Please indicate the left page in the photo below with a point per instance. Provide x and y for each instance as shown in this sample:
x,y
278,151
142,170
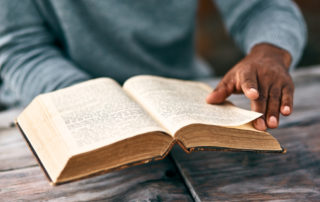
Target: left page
x,y
96,113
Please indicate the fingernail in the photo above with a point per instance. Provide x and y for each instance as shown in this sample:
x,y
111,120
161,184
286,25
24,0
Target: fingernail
x,y
261,124
253,90
273,121
209,98
286,109
252,93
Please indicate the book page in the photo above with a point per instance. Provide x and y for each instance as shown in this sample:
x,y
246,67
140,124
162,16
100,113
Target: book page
x,y
177,103
96,113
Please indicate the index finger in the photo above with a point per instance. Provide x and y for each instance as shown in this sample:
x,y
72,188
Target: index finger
x,y
249,85
220,93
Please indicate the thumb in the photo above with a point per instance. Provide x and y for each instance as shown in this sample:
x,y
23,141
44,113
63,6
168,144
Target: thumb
x,y
219,94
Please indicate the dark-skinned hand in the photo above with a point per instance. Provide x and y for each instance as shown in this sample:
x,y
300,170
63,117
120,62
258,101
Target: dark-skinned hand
x,y
264,78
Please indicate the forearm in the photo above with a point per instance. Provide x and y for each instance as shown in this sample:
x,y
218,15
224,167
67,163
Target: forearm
x,y
30,63
279,23
26,76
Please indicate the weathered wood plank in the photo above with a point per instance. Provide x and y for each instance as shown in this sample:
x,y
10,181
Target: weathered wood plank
x,y
7,117
157,181
253,176
239,176
22,179
14,152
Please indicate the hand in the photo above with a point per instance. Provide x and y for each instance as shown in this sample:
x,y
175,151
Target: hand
x,y
263,77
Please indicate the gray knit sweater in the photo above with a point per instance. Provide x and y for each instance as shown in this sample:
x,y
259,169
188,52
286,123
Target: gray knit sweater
x,y
50,44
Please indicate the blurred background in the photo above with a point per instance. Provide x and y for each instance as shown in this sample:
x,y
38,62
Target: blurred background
x,y
218,49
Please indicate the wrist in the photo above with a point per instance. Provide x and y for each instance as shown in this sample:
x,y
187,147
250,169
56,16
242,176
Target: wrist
x,y
273,52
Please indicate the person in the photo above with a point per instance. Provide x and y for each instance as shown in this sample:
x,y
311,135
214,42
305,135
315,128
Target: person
x,y
47,45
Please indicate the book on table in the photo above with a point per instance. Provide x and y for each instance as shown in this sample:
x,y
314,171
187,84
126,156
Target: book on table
x,y
98,126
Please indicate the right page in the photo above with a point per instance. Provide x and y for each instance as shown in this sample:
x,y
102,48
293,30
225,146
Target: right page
x,y
176,103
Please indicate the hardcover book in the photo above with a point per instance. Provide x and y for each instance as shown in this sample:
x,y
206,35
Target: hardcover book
x,y
98,126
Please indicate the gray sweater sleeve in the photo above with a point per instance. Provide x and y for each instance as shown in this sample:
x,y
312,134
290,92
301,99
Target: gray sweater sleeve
x,y
30,63
278,22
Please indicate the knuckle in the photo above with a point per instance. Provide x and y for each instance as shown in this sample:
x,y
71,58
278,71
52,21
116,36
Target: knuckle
x,y
272,73
289,89
249,82
272,113
221,85
258,107
288,100
274,110
275,93
262,98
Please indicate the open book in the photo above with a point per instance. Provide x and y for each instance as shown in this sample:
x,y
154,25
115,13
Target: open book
x,y
98,126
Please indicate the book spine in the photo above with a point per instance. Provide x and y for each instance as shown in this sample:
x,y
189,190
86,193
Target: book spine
x,y
34,153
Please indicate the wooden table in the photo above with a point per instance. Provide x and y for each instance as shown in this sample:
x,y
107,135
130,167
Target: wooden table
x,y
200,176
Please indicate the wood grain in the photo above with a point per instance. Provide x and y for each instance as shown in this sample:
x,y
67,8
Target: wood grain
x,y
14,153
258,177
147,182
156,181
253,176
7,117
22,179
208,175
